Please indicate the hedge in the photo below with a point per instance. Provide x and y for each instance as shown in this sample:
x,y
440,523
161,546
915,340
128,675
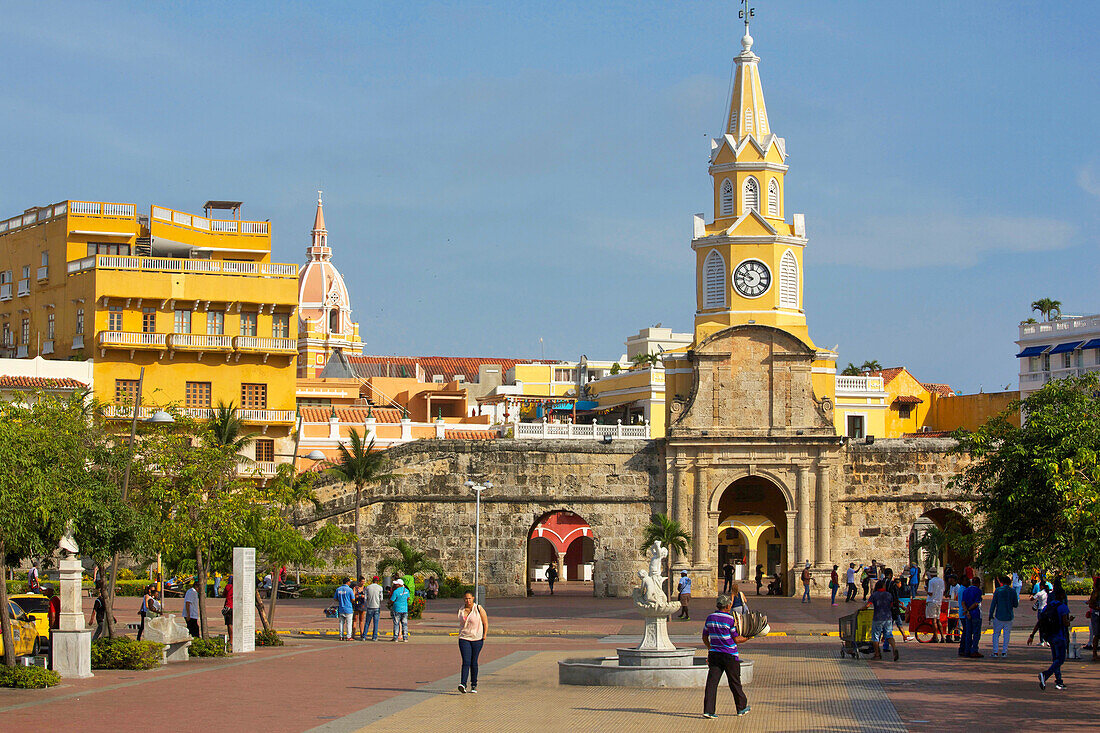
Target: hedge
x,y
207,648
122,652
268,637
28,678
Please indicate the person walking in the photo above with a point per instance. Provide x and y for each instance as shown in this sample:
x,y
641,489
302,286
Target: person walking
x,y
683,589
851,579
191,609
373,609
1017,585
473,625
759,578
934,604
1039,598
899,589
914,579
32,580
865,580
727,576
954,620
1093,615
721,637
834,582
738,602
1054,624
217,583
99,611
149,607
970,609
345,608
551,577
882,621
1001,607
359,609
227,610
400,605
807,578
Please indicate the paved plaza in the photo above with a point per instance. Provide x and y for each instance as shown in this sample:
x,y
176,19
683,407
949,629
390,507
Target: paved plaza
x,y
318,683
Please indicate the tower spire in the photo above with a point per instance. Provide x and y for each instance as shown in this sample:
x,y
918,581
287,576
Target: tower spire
x,y
747,114
318,248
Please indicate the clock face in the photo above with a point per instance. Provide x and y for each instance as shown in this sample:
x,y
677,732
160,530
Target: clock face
x,y
752,278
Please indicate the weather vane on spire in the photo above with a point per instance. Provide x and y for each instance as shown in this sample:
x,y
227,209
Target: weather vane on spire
x,y
745,13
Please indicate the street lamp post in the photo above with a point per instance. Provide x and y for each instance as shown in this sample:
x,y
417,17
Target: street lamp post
x,y
478,488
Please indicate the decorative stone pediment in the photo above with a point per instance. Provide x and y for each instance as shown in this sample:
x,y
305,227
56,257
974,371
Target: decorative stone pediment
x,y
753,380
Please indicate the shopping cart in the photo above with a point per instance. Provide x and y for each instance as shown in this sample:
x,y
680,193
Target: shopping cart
x,y
855,633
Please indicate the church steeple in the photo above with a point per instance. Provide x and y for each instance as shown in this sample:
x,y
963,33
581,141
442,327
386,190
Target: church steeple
x,y
318,248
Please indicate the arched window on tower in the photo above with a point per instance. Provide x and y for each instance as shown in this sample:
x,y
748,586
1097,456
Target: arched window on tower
x,y
773,198
334,320
725,199
714,281
788,281
750,196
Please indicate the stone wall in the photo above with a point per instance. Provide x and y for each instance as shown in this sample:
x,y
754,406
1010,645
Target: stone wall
x,y
615,488
886,487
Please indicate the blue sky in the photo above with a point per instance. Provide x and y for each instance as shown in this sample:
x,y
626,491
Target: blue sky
x,y
497,172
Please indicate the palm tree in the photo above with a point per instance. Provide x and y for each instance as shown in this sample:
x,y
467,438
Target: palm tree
x,y
360,465
851,371
1049,308
226,430
641,360
871,366
407,561
671,535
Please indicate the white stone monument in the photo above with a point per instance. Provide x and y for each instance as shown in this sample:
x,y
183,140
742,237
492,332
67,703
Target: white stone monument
x,y
244,599
71,642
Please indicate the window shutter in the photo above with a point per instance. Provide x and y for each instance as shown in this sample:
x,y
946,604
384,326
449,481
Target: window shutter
x,y
725,205
714,281
751,196
788,281
773,198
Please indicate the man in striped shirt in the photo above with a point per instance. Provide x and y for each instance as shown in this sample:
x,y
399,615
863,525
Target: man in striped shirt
x,y
721,637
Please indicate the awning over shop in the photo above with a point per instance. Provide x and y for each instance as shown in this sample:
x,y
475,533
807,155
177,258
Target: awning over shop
x,y
1032,351
580,405
1063,348
1092,344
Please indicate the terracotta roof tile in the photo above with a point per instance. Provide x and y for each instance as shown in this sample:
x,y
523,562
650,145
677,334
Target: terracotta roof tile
x,y
888,374
448,366
906,399
944,390
351,414
10,382
470,434
929,434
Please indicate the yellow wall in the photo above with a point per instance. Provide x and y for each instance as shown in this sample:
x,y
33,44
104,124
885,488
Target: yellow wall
x,y
640,386
970,411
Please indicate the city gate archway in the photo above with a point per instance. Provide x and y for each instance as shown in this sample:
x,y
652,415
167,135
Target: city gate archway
x,y
755,509
943,524
561,538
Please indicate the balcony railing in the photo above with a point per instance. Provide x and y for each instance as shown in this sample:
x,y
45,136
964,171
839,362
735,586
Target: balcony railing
x,y
75,208
260,344
578,431
859,384
218,226
131,340
265,416
203,413
173,264
199,342
263,468
1060,326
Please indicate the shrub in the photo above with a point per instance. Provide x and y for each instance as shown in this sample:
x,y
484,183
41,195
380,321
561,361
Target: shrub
x,y
207,648
453,588
122,652
1078,587
126,574
28,678
268,638
416,607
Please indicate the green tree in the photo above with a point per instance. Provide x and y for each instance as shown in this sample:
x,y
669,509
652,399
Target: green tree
x,y
870,366
1037,487
615,368
640,360
407,561
43,483
1048,308
671,535
226,431
851,371
359,465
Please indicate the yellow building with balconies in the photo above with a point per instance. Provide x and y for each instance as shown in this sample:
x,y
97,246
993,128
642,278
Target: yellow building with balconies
x,y
195,300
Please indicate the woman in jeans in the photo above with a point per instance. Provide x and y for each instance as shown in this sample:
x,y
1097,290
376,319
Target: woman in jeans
x,y
149,607
473,624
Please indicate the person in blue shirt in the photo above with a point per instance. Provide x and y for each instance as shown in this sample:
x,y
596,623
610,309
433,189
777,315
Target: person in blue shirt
x,y
914,580
721,637
345,609
683,588
399,606
1001,614
1057,618
970,611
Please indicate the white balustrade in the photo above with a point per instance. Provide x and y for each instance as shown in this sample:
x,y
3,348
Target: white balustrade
x,y
254,227
175,264
572,431
859,384
223,225
265,416
205,342
131,338
84,207
262,343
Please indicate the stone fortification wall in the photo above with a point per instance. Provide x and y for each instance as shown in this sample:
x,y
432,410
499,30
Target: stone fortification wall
x,y
615,488
886,487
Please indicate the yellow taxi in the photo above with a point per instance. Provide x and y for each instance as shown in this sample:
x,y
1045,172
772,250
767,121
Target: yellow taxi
x,y
38,606
23,631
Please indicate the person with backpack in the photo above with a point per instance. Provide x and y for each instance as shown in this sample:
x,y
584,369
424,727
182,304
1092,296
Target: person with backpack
x,y
807,578
865,580
359,609
1054,624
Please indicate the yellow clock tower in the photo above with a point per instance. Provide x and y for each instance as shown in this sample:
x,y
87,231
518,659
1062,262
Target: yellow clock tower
x,y
749,258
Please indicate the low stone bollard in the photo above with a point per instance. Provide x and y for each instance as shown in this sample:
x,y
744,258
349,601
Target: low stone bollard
x,y
176,638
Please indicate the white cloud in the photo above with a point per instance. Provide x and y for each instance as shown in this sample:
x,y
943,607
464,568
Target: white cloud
x,y
911,241
1087,179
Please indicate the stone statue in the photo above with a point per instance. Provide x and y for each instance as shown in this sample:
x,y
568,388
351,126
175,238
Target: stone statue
x,y
68,545
652,602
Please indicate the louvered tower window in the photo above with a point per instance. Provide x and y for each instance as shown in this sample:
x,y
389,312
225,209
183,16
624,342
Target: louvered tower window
x,y
725,199
773,198
714,281
788,281
751,195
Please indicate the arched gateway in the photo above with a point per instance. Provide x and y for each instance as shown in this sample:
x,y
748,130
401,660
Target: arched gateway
x,y
564,539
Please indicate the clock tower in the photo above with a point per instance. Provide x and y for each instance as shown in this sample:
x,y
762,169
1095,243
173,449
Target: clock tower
x,y
748,258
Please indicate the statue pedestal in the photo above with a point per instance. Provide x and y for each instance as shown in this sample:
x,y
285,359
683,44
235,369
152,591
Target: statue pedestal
x,y
656,631
72,653
72,613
